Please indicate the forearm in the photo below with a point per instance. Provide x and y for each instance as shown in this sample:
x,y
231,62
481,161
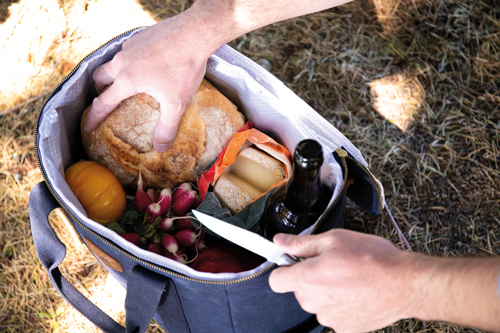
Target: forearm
x,y
215,22
459,290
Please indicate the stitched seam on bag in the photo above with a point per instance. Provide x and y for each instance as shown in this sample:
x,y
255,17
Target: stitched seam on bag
x,y
229,309
179,305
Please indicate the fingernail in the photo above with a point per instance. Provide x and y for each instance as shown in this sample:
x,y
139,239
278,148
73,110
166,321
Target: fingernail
x,y
282,239
161,147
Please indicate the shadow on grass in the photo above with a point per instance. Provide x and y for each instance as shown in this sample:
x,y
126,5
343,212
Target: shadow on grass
x,y
4,9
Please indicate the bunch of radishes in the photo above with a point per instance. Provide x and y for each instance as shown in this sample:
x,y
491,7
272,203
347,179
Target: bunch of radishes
x,y
175,236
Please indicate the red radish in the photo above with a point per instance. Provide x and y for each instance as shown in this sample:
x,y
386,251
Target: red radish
x,y
182,256
153,212
196,201
166,223
142,199
132,237
170,243
181,189
182,204
155,248
185,186
165,200
153,195
182,252
200,243
184,223
178,258
186,237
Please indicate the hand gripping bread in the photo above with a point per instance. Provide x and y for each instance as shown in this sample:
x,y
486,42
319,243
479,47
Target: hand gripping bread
x,y
123,142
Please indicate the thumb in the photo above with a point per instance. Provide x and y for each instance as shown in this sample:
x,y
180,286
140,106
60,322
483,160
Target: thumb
x,y
300,246
168,124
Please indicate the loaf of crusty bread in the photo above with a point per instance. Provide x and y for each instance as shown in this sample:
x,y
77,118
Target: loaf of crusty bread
x,y
253,173
123,142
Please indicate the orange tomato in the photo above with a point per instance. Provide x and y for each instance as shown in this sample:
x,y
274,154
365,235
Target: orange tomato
x,y
98,190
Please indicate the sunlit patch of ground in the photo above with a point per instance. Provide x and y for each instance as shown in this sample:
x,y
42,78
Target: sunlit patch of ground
x,y
397,98
386,13
107,294
41,41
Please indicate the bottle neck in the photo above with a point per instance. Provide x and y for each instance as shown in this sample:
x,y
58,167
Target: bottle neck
x,y
304,188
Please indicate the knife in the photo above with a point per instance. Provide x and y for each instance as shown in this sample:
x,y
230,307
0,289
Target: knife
x,y
247,239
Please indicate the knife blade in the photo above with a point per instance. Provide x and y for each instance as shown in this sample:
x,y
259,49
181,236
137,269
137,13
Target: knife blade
x,y
247,239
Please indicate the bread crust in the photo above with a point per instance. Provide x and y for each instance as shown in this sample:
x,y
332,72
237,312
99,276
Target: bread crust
x,y
232,196
123,142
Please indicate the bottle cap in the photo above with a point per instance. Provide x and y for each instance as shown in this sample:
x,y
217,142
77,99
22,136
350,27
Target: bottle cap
x,y
309,154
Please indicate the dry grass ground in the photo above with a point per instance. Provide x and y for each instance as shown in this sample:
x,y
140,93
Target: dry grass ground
x,y
414,84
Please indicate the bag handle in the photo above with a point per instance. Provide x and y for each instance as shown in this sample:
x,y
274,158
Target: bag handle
x,y
147,291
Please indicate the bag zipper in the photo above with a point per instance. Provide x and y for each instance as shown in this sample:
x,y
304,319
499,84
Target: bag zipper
x,y
401,236
368,172
342,153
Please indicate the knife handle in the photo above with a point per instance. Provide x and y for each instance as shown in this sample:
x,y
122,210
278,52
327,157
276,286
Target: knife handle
x,y
288,260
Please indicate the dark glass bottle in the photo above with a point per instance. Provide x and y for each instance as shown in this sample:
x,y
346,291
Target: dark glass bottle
x,y
297,204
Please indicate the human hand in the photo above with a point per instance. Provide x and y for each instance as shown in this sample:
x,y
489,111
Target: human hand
x,y
353,282
167,61
174,52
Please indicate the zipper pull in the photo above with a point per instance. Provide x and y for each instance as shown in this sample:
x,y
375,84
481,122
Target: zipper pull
x,y
341,152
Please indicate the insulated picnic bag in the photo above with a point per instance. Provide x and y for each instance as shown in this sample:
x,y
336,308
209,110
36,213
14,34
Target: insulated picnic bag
x,y
179,298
